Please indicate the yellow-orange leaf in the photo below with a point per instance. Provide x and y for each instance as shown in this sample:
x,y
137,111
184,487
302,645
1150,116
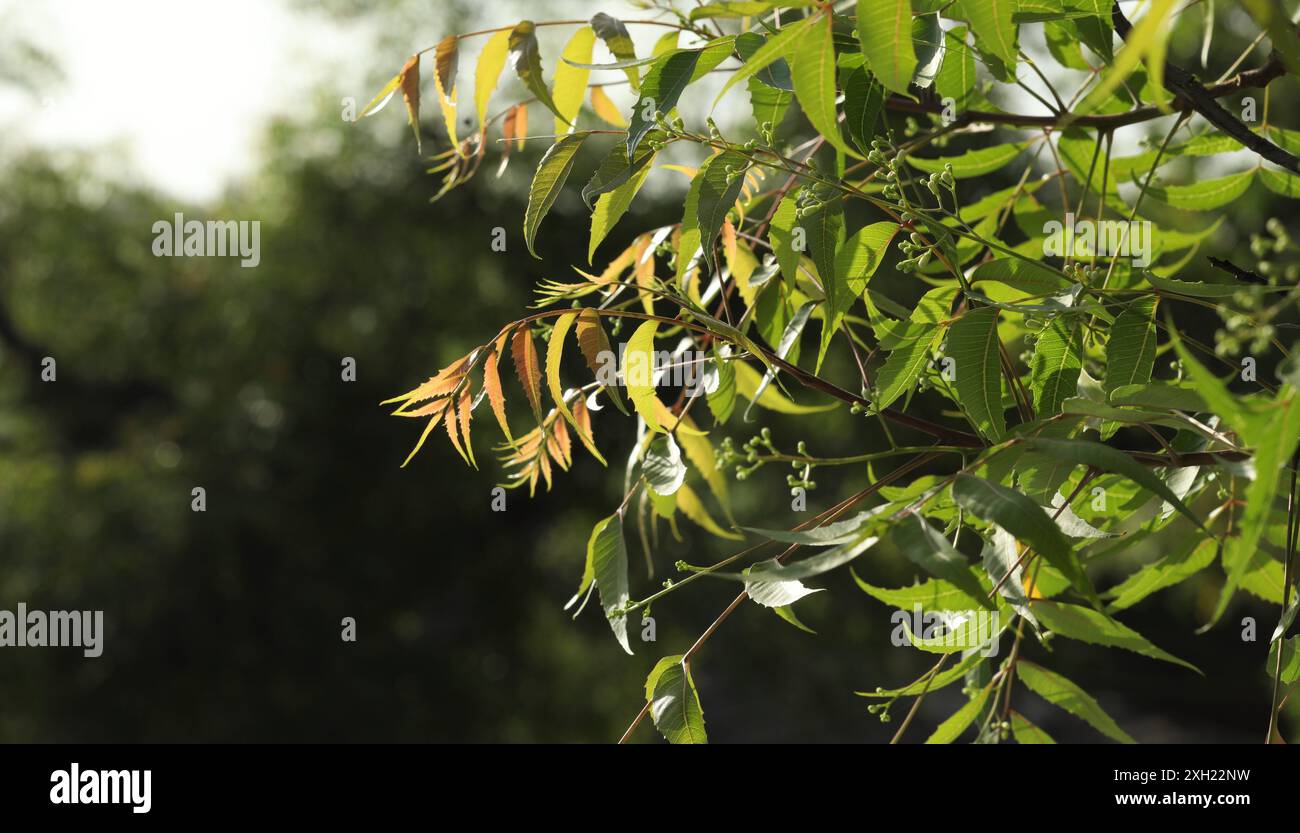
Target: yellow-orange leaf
x,y
490,63
440,384
492,384
444,81
527,368
433,423
466,410
596,349
453,429
554,355
605,108
409,78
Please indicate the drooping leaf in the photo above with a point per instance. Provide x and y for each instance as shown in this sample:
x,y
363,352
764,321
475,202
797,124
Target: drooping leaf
x,y
527,368
554,355
663,466
608,556
991,20
552,172
605,108
490,63
723,177
598,353
444,82
615,35
789,339
973,346
812,62
855,262
674,702
638,372
492,384
409,79
1057,360
885,31
692,507
1001,560
1166,571
571,81
527,61
614,201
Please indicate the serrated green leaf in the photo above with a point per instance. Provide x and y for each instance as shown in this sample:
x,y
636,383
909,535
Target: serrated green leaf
x,y
549,179
638,372
885,31
1207,194
719,189
1064,694
617,181
615,35
527,61
992,23
663,84
1105,458
932,594
608,557
1025,732
488,71
571,81
973,345
812,64
1184,562
856,261
776,48
1095,628
1024,519
931,551
674,702
952,728
1131,349
1054,369
972,163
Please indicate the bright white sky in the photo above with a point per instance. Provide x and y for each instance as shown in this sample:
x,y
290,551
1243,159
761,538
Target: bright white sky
x,y
182,89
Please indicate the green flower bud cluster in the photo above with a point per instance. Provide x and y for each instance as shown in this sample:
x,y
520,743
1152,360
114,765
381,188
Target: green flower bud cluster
x,y
880,710
913,244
